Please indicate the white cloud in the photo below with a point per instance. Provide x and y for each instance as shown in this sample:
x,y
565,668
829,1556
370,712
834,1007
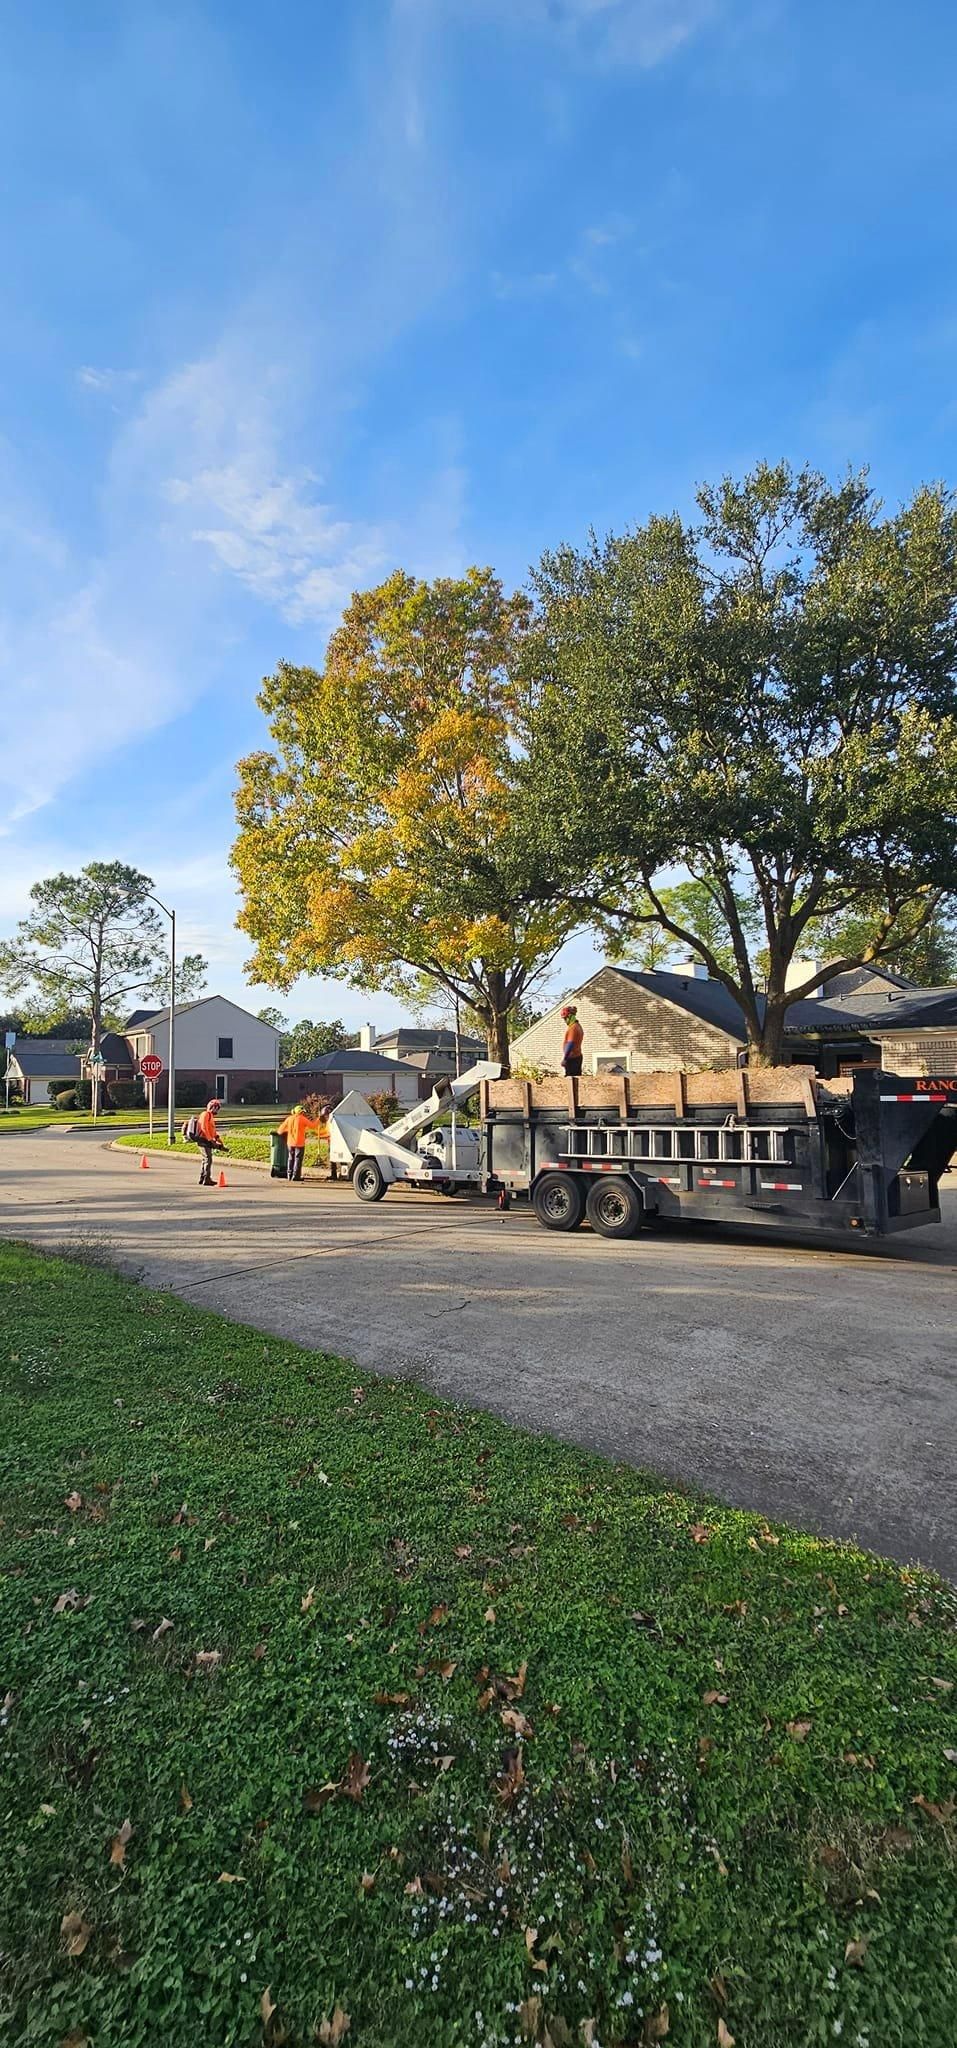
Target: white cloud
x,y
108,381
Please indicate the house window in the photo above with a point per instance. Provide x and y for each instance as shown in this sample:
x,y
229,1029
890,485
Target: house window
x,y
225,1049
221,1087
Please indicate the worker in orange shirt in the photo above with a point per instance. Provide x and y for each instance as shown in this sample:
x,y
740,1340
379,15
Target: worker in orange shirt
x,y
572,1046
209,1140
295,1129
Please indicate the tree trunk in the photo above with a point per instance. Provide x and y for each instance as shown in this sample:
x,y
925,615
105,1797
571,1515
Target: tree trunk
x,y
766,1047
496,1022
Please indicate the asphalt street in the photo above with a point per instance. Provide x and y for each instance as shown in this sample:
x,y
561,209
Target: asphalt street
x,y
814,1383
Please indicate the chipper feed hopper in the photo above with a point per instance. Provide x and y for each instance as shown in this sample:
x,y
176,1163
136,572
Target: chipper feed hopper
x,y
374,1157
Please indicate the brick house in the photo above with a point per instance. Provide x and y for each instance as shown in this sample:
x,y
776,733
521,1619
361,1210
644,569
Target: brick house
x,y
640,1022
218,1044
333,1074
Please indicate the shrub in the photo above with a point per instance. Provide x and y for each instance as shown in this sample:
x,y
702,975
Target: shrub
x,y
385,1104
126,1094
54,1089
256,1091
192,1094
66,1099
83,1094
316,1105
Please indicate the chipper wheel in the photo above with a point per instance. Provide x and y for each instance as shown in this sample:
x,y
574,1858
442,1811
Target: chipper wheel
x,y
557,1201
614,1207
368,1180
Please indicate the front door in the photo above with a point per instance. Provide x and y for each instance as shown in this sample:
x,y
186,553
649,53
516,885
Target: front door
x,y
221,1080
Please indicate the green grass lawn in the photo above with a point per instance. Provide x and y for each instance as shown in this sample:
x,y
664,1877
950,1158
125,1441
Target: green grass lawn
x,y
34,1117
323,1698
242,1142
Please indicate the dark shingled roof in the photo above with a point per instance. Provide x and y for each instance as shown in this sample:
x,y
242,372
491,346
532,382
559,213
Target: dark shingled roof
x,y
893,1009
704,999
350,1060
38,1062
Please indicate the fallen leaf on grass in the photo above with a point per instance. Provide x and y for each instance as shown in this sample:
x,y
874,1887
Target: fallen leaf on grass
x,y
657,2024
207,1660
367,1880
700,1533
942,1814
357,1776
511,1779
719,1989
725,2037
705,1747
951,1755
76,1932
437,1616
392,1699
76,2038
73,1501
799,1730
307,1600
446,1668
531,1937
316,1797
334,2030
513,1718
739,1607
267,2006
943,1684
529,2014
66,1602
120,1842
185,1802
861,1763
855,1951
714,1699
259,1652
229,1877
162,1630
489,1614
463,1550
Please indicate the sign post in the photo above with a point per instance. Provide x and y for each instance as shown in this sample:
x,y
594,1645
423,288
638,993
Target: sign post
x,y
151,1067
9,1039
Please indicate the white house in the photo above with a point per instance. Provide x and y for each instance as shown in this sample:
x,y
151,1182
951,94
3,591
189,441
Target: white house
x,y
37,1064
217,1043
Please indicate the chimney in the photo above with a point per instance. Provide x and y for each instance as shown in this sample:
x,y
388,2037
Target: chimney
x,y
366,1037
691,970
804,970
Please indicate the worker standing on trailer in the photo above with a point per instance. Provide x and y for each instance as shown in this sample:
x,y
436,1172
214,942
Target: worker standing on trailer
x,y
574,1036
295,1128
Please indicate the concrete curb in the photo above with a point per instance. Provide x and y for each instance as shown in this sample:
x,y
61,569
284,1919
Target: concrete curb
x,y
229,1163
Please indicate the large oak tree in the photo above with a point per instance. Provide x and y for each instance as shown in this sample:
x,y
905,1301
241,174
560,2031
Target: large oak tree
x,y
385,836
765,697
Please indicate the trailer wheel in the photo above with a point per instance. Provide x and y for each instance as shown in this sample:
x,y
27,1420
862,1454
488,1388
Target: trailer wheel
x,y
614,1208
557,1201
368,1180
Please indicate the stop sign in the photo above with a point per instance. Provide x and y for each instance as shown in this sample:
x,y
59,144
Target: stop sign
x,y
151,1066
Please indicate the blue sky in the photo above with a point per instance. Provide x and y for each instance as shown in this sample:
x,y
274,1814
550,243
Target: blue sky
x,y
293,295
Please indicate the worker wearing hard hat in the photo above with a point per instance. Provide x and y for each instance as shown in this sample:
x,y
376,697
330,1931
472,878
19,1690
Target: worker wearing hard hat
x,y
572,1046
295,1129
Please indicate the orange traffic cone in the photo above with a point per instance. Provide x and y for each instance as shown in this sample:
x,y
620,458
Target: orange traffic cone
x,y
144,1162
222,1178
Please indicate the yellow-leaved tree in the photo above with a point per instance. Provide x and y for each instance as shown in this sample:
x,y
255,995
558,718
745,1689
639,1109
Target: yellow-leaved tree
x,y
385,835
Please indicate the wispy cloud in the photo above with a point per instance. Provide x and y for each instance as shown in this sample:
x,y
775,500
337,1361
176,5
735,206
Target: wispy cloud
x,y
533,285
605,33
107,381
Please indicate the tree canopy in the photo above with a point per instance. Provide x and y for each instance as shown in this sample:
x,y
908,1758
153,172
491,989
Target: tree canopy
x,y
92,943
387,834
765,698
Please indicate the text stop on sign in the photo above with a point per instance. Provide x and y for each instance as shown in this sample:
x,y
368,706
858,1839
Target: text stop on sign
x,y
151,1066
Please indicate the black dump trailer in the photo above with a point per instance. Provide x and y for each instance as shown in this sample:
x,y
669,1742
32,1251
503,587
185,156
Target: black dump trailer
x,y
771,1146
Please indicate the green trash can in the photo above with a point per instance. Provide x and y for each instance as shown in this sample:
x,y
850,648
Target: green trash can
x,y
278,1154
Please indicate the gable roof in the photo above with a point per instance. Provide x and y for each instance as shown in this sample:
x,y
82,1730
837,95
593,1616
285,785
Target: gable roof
x,y
707,1000
411,1038
349,1060
37,1062
147,1018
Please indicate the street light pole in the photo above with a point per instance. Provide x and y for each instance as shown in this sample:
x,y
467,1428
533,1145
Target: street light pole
x,y
171,1064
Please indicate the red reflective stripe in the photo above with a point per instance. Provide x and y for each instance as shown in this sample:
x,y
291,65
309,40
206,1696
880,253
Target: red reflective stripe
x,y
783,1187
717,1183
915,1098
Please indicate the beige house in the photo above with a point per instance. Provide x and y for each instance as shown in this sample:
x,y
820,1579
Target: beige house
x,y
641,1022
638,1022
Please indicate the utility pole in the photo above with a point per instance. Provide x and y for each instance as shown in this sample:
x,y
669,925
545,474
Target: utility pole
x,y
171,1062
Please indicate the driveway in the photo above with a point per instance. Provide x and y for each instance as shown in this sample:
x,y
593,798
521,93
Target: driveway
x,y
815,1384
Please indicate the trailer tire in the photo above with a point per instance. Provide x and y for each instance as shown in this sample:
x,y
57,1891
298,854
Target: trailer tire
x,y
614,1207
557,1201
368,1180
